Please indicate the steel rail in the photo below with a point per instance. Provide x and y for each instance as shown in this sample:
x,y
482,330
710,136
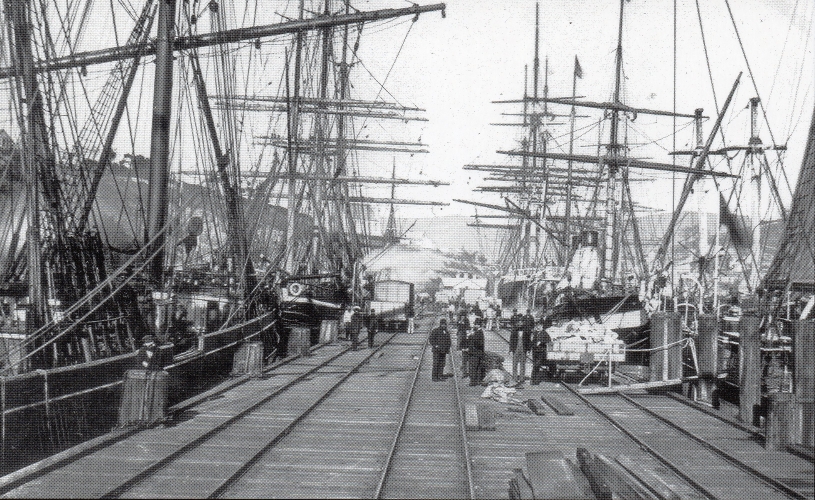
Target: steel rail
x,y
642,444
155,466
61,459
286,430
465,446
704,409
769,481
242,379
392,451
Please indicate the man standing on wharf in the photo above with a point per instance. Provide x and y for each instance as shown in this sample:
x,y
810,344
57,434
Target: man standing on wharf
x,y
520,342
373,328
440,340
475,348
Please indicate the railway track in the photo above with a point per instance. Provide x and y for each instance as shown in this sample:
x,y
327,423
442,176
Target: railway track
x,y
705,452
716,457
193,456
418,466
366,423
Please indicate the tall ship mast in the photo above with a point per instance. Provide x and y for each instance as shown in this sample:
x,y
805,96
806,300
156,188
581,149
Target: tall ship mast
x,y
612,263
142,200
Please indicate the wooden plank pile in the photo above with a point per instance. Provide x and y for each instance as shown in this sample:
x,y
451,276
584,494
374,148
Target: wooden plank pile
x,y
549,474
556,404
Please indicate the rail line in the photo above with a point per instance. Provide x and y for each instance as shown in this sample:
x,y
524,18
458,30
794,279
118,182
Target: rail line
x,y
715,434
707,432
690,457
229,425
167,455
445,476
65,458
304,425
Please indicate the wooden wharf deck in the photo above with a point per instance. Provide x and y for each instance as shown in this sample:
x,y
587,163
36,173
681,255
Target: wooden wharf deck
x,y
695,453
430,458
325,425
363,424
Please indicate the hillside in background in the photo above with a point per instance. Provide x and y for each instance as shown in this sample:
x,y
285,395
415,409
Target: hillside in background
x,y
450,234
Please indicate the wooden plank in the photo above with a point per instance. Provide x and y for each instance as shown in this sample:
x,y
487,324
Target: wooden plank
x,y
519,486
632,387
649,478
553,476
471,417
556,404
609,480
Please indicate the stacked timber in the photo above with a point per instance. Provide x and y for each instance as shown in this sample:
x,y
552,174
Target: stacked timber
x,y
549,474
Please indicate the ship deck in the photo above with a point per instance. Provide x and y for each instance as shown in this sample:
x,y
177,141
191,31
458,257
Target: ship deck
x,y
372,423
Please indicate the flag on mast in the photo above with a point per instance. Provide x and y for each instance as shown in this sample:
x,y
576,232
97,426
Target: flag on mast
x,y
578,71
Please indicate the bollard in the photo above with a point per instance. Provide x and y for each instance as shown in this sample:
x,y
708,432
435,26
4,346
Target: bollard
x,y
707,348
666,364
144,398
328,331
658,335
779,420
749,366
248,360
804,332
299,341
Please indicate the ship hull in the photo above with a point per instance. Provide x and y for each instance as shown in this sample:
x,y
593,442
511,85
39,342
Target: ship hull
x,y
45,411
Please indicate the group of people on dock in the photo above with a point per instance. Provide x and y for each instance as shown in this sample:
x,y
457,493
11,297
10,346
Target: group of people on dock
x,y
352,322
527,338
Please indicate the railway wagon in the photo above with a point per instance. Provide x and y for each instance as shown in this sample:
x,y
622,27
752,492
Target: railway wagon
x,y
392,300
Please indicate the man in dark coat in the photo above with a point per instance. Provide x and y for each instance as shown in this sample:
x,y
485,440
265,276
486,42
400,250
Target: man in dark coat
x,y
373,328
440,340
475,351
148,355
355,325
539,341
410,314
462,329
520,342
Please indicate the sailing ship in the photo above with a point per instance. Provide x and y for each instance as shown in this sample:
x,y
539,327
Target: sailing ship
x,y
576,232
203,243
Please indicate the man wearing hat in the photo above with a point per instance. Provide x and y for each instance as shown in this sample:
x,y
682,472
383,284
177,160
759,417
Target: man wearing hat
x,y
148,354
475,348
354,326
373,328
440,340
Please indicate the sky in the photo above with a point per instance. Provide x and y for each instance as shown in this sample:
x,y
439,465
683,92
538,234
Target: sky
x,y
456,66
